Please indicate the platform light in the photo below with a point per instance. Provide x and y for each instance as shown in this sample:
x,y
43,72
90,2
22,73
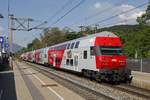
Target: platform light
x,y
1,39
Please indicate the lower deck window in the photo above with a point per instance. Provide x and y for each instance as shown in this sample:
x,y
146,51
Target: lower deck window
x,y
71,62
85,54
67,62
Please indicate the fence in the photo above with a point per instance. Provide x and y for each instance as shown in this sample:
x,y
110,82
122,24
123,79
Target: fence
x,y
142,65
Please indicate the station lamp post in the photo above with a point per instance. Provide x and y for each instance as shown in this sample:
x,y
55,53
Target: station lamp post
x,y
1,17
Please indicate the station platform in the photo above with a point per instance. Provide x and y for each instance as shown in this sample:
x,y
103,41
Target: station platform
x,y
141,79
25,83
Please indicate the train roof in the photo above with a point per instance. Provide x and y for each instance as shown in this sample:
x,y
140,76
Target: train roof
x,y
100,34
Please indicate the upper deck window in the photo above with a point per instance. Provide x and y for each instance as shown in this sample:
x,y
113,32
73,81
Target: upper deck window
x,y
68,46
72,45
77,44
92,50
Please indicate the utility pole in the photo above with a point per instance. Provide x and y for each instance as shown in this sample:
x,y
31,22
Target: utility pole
x,y
95,28
21,24
11,31
1,44
1,17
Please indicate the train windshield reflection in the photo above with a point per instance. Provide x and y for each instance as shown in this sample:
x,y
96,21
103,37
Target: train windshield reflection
x,y
111,50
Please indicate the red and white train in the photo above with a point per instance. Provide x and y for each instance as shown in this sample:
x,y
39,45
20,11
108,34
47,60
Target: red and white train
x,y
99,56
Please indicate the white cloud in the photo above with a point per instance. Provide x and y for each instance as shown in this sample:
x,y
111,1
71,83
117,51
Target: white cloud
x,y
121,23
97,5
126,18
131,16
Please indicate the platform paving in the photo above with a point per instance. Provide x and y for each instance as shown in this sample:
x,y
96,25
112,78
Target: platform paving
x,y
7,84
141,79
38,86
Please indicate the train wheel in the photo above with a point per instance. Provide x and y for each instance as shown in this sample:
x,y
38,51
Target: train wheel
x,y
98,78
84,73
93,75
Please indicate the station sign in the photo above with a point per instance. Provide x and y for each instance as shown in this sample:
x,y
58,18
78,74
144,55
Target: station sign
x,y
7,45
1,39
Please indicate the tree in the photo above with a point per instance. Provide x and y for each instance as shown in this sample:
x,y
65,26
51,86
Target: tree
x,y
143,19
36,44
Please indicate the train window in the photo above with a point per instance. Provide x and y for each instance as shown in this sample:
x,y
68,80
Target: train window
x,y
45,55
85,54
72,45
77,44
68,46
92,51
71,62
111,50
67,61
58,61
65,46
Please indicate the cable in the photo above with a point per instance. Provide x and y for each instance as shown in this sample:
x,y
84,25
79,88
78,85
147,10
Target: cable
x,y
61,9
121,21
81,2
57,12
106,19
106,9
99,13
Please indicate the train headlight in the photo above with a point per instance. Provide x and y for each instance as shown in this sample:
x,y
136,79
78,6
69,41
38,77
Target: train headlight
x,y
114,60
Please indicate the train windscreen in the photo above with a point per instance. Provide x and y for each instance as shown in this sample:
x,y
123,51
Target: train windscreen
x,y
111,50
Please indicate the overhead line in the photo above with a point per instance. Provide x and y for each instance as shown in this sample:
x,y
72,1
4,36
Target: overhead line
x,y
57,12
106,19
115,23
81,2
100,12
106,9
61,9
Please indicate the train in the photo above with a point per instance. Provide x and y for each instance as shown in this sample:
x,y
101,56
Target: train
x,y
98,56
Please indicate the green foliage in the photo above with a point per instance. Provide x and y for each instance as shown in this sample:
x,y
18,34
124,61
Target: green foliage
x,y
53,36
71,36
142,19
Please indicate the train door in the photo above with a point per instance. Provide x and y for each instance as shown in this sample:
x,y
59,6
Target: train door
x,y
54,59
76,58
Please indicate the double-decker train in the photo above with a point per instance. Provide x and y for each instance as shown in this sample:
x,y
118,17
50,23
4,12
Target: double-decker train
x,y
98,56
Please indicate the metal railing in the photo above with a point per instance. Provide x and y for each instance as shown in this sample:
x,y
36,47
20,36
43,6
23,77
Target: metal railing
x,y
142,65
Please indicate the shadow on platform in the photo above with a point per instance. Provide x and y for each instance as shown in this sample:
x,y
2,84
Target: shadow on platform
x,y
7,84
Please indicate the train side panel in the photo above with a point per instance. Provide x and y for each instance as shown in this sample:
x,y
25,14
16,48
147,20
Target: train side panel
x,y
79,58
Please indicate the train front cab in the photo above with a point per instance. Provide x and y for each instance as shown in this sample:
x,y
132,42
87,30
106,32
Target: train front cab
x,y
110,60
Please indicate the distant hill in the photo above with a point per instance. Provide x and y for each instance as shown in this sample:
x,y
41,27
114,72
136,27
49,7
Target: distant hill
x,y
16,47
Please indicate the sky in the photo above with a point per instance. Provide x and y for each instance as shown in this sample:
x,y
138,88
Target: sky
x,y
90,12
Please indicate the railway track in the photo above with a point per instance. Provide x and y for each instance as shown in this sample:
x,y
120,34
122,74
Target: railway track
x,y
79,88
134,90
110,92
